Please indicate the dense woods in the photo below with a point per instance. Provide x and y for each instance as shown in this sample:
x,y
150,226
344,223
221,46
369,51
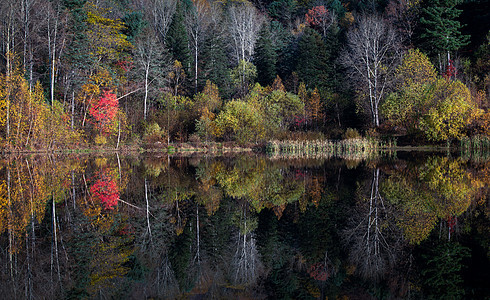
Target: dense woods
x,y
76,73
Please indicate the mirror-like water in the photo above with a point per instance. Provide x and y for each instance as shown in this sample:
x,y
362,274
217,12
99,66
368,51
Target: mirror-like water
x,y
253,227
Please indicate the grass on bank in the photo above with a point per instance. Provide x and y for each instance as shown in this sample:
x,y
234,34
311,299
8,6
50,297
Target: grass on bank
x,y
348,148
476,148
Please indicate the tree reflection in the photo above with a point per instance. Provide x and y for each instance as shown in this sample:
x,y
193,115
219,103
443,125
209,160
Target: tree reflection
x,y
105,190
226,227
370,237
451,188
441,189
246,265
441,271
30,191
413,216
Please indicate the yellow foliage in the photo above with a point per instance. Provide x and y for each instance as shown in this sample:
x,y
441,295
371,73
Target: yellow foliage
x,y
33,123
105,35
414,216
415,69
451,110
453,188
25,192
240,120
92,89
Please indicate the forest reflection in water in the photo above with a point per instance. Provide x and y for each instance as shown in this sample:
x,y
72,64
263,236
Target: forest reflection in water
x,y
251,226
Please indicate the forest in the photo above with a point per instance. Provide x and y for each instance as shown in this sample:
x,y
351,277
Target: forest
x,y
149,73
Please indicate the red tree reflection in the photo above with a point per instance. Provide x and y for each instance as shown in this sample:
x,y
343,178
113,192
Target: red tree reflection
x,y
105,189
319,271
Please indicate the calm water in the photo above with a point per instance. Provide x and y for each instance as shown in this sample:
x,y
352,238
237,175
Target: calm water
x,y
249,227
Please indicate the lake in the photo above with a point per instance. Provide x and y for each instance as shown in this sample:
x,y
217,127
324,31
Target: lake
x,y
406,226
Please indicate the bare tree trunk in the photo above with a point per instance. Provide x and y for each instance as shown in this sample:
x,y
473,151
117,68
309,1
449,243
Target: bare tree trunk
x,y
147,71
161,14
371,57
9,72
118,134
25,13
53,58
147,210
72,109
198,237
9,224
245,24
55,236
30,254
195,67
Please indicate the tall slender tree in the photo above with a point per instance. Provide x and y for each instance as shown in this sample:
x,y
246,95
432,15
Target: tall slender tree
x,y
441,30
197,21
159,14
312,60
371,57
265,58
177,38
244,26
151,66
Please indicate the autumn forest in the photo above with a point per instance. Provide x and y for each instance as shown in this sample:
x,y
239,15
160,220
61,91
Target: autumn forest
x,y
148,73
244,149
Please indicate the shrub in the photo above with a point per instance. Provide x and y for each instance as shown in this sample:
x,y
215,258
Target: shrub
x,y
153,134
100,139
351,134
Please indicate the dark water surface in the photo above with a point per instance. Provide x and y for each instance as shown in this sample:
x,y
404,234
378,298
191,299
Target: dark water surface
x,y
249,227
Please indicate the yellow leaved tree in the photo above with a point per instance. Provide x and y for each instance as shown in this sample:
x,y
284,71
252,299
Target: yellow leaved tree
x,y
26,118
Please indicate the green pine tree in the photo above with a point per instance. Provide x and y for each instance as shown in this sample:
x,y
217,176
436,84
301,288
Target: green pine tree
x,y
135,24
214,63
441,30
265,57
177,38
76,56
313,57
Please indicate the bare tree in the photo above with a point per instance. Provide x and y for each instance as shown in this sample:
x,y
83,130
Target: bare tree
x,y
7,27
151,64
244,26
197,21
25,12
403,15
56,42
370,57
160,14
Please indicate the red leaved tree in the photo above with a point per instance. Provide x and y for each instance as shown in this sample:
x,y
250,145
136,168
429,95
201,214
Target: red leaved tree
x,y
104,110
320,17
450,70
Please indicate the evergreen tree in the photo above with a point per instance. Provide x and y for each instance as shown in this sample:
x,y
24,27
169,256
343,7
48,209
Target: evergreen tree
x,y
280,36
76,56
288,58
214,63
177,39
135,24
333,46
265,57
441,31
312,65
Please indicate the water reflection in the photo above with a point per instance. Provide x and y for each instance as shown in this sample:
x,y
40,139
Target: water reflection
x,y
160,227
370,236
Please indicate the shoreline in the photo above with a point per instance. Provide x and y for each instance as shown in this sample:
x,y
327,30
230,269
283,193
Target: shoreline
x,y
203,149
